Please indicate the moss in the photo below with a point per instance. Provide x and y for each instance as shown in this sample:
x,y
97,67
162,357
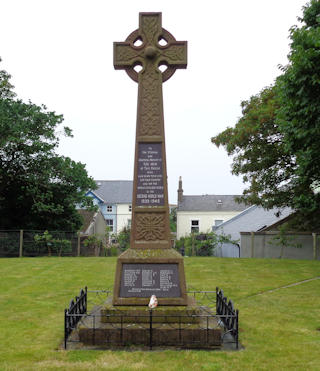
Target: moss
x,y
150,254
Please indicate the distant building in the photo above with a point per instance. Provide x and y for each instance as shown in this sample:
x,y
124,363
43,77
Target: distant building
x,y
252,219
93,223
201,213
114,199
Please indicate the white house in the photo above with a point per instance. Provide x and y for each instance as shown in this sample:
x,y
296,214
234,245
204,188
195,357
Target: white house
x,y
201,213
114,198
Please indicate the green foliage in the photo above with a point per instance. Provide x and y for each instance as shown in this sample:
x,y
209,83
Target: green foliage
x,y
173,219
259,152
275,143
46,242
202,244
299,112
123,238
38,188
283,240
92,241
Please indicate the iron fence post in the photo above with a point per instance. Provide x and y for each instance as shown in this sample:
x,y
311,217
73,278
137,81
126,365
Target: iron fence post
x,y
94,330
121,329
86,298
150,338
65,329
217,290
237,329
207,334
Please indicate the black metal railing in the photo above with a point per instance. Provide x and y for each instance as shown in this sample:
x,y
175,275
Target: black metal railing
x,y
72,315
215,312
229,316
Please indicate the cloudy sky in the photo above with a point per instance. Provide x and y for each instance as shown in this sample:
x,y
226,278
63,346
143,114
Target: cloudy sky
x,y
59,53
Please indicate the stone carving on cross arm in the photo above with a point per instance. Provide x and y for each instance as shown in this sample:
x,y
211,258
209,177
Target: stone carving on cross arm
x,y
150,227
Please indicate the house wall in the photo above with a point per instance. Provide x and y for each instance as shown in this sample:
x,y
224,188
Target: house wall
x,y
206,220
100,225
262,245
123,215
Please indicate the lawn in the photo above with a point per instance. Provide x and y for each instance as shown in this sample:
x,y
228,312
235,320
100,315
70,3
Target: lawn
x,y
279,330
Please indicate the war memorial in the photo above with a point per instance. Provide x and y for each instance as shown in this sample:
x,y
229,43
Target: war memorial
x,y
151,267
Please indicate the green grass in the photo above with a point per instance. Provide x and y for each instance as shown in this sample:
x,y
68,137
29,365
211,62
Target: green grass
x,y
279,330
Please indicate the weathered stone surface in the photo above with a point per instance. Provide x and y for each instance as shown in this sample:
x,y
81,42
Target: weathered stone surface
x,y
194,331
162,314
150,227
150,256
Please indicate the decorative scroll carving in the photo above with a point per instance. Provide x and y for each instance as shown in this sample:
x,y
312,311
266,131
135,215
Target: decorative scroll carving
x,y
150,227
150,104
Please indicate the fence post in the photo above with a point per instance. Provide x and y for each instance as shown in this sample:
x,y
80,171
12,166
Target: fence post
x,y
21,243
150,330
314,237
65,329
252,244
78,243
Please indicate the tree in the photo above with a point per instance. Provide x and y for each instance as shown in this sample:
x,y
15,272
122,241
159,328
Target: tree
x,y
38,188
299,111
275,142
173,219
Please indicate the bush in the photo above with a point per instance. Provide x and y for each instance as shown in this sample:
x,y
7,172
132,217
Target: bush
x,y
201,244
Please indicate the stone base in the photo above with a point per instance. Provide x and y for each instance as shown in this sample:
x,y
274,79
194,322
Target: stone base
x,y
180,327
149,256
161,314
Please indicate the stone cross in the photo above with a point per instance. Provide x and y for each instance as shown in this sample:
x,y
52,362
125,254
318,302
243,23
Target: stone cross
x,y
150,266
150,47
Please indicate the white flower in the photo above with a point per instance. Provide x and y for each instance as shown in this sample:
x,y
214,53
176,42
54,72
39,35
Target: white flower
x,y
153,302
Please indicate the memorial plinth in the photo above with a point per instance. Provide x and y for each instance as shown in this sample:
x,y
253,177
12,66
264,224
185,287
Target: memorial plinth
x,y
150,266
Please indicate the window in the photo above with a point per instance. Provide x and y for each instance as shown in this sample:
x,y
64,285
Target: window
x,y
109,209
218,222
130,208
110,224
194,226
129,223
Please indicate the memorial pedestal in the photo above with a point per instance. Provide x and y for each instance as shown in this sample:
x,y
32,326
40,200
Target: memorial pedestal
x,y
141,273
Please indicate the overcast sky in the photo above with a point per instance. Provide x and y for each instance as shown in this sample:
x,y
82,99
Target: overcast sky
x,y
60,53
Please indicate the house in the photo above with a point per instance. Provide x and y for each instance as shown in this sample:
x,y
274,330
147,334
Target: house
x,y
114,199
252,219
93,223
200,213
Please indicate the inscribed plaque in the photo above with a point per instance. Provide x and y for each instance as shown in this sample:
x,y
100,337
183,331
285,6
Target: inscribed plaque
x,y
144,280
150,190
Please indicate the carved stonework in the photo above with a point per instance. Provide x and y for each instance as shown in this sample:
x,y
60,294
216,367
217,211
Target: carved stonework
x,y
150,265
150,26
176,53
150,218
150,227
126,55
150,112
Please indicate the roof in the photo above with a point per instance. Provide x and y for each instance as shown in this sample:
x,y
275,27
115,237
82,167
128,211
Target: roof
x,y
210,203
114,191
254,219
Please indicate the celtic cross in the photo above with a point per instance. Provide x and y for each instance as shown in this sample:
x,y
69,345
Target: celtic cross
x,y
150,47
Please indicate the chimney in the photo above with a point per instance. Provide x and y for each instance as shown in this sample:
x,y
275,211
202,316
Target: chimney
x,y
180,191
